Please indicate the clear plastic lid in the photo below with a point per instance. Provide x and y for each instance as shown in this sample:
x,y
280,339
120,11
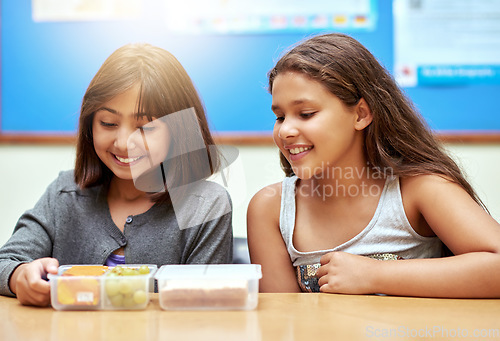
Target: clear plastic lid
x,y
209,271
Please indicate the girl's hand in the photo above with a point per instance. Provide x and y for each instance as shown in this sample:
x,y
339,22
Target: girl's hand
x,y
29,282
345,273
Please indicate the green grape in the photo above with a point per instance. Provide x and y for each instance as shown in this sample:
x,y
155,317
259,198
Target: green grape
x,y
127,292
140,297
125,287
128,301
126,272
144,270
117,300
112,287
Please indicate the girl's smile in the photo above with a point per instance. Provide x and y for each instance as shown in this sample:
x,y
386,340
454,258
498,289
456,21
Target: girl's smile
x,y
298,151
127,160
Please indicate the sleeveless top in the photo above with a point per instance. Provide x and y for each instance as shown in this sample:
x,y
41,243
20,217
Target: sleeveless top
x,y
388,236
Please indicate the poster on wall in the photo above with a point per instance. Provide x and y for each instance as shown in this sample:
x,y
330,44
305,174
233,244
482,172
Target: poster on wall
x,y
85,10
222,16
446,42
264,16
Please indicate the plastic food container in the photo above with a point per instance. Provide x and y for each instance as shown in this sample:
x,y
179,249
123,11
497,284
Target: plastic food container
x,y
208,287
125,287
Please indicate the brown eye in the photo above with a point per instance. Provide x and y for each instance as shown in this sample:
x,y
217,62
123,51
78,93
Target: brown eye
x,y
107,124
307,114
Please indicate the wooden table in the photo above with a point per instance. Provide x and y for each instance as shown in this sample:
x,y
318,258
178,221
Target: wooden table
x,y
283,317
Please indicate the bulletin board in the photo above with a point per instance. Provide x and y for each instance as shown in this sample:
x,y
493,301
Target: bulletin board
x,y
49,57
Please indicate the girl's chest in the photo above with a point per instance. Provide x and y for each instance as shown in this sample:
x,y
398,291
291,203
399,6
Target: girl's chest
x,y
323,227
121,211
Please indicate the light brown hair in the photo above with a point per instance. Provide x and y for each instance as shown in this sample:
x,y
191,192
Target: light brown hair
x,y
398,137
165,88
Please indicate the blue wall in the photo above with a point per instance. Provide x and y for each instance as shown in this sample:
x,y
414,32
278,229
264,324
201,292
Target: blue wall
x,y
47,66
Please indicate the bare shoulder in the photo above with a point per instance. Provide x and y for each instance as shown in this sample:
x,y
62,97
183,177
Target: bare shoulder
x,y
265,242
427,195
266,202
263,214
269,193
425,180
435,203
422,186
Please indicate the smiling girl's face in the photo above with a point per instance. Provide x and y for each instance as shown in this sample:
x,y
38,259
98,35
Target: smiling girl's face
x,y
125,140
314,129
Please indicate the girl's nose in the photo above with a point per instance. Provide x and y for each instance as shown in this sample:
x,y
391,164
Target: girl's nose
x,y
125,139
288,128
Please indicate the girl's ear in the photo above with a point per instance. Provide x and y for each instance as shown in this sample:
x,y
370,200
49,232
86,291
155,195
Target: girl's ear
x,y
363,116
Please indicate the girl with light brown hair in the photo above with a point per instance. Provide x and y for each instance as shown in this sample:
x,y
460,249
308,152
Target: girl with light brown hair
x,y
138,193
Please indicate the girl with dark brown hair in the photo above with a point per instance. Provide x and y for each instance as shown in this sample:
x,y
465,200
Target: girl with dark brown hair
x,y
366,181
138,193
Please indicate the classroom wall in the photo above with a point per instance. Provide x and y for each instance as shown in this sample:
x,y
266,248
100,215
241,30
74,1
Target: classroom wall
x,y
27,170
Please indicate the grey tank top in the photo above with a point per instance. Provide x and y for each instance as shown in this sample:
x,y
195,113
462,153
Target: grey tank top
x,y
388,232
388,236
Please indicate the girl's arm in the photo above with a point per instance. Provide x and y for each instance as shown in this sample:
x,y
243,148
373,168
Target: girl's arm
x,y
21,268
469,232
266,244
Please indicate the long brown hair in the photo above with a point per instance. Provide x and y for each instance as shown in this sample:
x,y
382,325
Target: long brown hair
x,y
398,137
165,88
